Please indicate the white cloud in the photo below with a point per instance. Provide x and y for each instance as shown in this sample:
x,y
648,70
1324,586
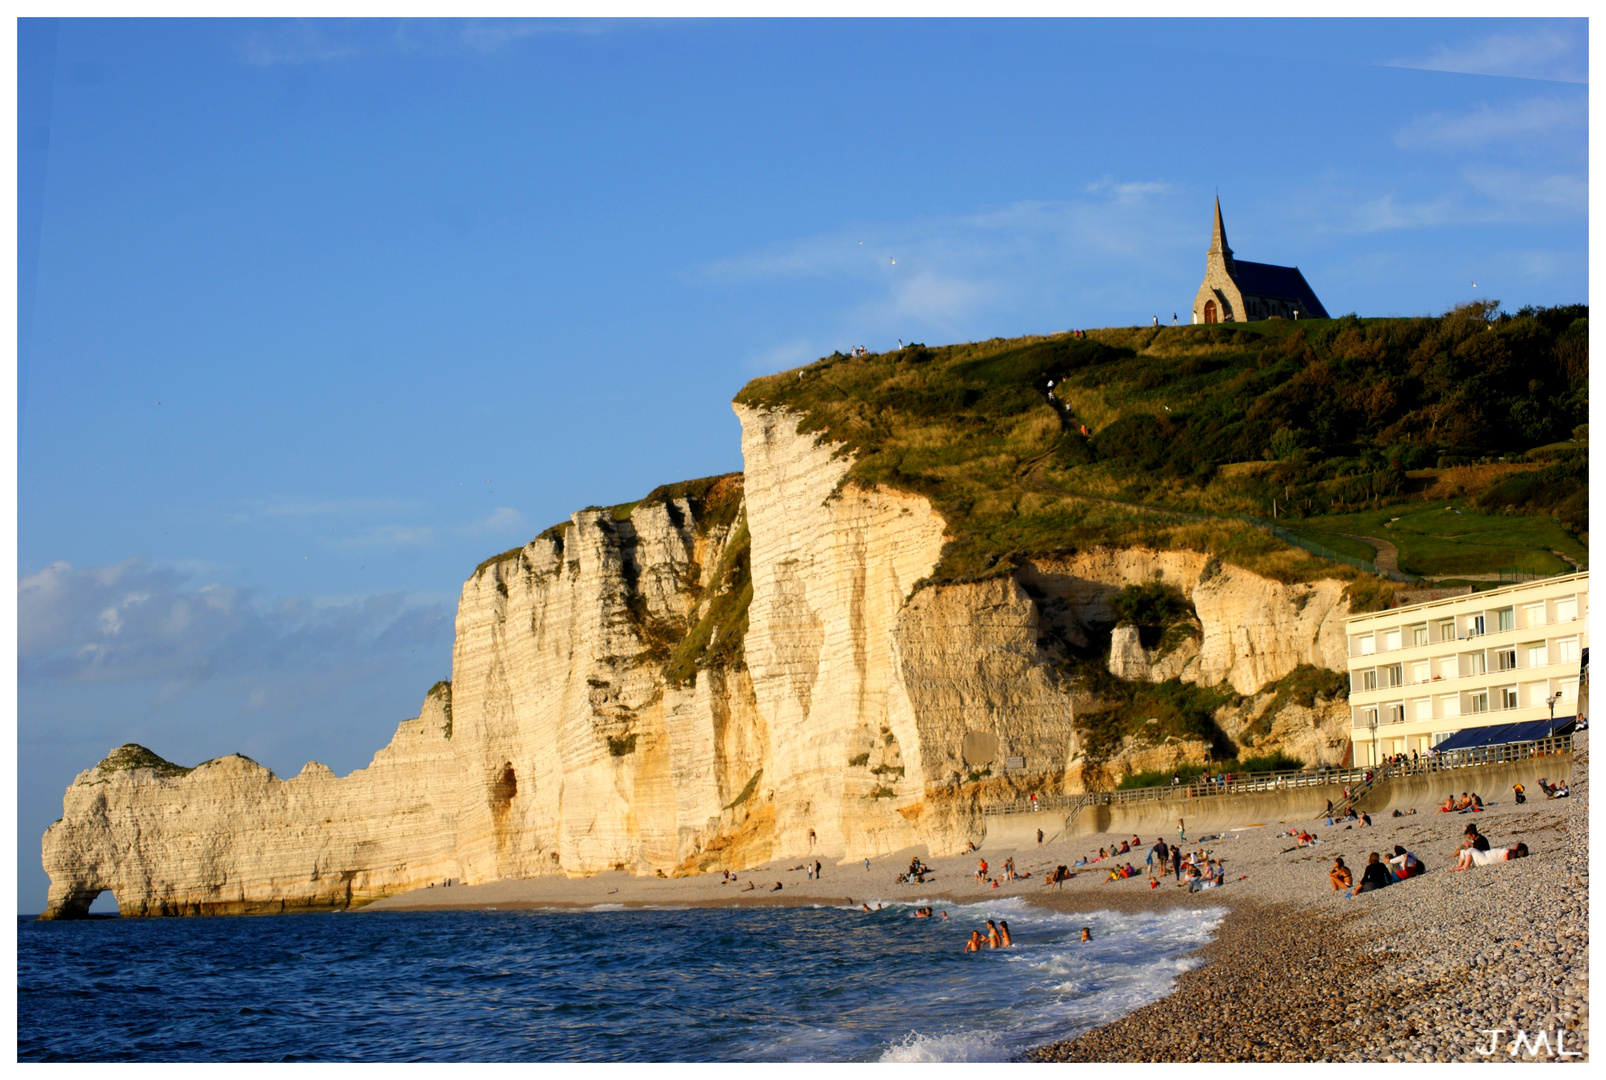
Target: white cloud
x,y
1521,122
390,536
142,622
1556,51
502,519
1521,189
293,42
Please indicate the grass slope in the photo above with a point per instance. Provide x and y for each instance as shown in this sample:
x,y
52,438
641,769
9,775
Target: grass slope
x,y
1330,418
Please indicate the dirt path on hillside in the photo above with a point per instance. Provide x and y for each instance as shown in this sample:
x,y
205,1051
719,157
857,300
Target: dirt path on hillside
x,y
1388,556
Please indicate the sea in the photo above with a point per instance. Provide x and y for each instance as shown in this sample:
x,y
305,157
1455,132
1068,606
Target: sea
x,y
598,984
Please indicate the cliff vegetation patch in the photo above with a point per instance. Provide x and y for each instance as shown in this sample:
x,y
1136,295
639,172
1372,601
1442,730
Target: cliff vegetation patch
x,y
135,756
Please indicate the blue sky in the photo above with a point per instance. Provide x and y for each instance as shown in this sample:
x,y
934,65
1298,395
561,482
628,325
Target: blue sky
x,y
314,316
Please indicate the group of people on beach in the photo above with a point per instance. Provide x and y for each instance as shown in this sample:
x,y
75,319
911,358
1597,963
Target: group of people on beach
x,y
1468,804
997,937
1381,872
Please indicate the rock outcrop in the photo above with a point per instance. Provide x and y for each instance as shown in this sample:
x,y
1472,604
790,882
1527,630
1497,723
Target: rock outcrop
x,y
748,668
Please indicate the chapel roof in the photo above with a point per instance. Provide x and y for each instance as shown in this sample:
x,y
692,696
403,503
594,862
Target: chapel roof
x,y
1277,283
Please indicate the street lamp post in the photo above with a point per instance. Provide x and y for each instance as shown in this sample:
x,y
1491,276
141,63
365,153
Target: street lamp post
x,y
1371,722
1551,701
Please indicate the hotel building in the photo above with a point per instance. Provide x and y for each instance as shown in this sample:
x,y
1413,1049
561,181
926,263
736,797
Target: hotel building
x,y
1419,674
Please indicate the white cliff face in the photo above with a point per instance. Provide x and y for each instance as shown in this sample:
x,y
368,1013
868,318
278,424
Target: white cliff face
x,y
229,837
1255,630
617,702
831,572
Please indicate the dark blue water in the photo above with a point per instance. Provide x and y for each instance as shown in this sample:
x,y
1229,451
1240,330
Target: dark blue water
x,y
702,984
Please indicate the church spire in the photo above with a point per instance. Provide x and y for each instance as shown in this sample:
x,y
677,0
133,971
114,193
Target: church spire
x,y
1218,238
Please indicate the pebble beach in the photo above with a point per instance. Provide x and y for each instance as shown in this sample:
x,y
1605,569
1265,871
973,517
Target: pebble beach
x,y
1419,971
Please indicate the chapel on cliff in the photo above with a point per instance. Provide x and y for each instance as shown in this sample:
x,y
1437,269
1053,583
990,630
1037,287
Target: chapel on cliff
x,y
1239,291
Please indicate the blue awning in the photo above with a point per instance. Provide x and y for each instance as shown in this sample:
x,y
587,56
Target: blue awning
x,y
1500,734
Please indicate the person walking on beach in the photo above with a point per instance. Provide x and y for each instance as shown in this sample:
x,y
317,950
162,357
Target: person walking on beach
x,y
1182,831
1039,836
1176,862
981,870
816,870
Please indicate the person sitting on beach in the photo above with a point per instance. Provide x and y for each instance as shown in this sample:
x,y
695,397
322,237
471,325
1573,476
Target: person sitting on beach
x,y
1082,861
750,887
1403,864
1475,839
1448,805
777,887
1516,790
974,944
1471,857
1465,804
1062,874
1560,791
1125,847
1102,855
1365,820
993,940
1477,803
1376,875
981,870
1340,875
1004,939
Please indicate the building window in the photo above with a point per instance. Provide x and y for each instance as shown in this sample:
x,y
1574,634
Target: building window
x,y
1533,615
1475,664
1424,708
1369,679
1567,610
1505,659
1508,698
1567,650
1367,644
1450,705
1536,653
1393,675
1507,617
1419,672
1396,713
1391,641
1474,626
1480,702
1447,630
1440,736
1419,635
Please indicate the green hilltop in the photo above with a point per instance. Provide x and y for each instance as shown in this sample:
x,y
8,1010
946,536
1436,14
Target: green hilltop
x,y
1460,439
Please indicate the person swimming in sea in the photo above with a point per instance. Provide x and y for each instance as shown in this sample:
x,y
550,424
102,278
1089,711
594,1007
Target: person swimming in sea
x,y
975,943
1003,934
1087,934
993,940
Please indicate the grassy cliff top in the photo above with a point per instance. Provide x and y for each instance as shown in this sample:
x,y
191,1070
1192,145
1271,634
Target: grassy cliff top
x,y
1187,427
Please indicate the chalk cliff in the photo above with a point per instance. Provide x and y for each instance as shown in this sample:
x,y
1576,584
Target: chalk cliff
x,y
732,670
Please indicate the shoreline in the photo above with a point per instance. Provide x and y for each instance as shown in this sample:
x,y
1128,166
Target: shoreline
x,y
1293,972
